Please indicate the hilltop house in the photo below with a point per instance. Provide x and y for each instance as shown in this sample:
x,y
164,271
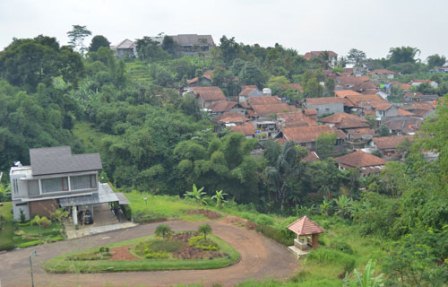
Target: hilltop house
x,y
191,44
325,105
127,49
366,163
329,56
207,96
57,178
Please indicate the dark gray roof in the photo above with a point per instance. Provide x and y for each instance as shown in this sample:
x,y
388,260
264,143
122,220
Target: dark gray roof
x,y
55,160
193,40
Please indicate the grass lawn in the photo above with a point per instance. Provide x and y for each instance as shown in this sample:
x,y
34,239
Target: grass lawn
x,y
7,228
60,264
19,235
342,247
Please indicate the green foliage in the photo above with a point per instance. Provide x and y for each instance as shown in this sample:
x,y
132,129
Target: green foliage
x,y
366,278
197,194
77,36
205,229
325,145
163,230
219,197
102,253
325,255
281,235
98,41
436,60
403,54
41,221
202,243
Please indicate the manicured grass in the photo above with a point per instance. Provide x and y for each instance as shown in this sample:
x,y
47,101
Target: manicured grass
x,y
19,235
60,264
161,207
7,231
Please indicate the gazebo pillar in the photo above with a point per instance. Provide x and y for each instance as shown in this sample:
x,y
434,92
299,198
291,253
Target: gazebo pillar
x,y
314,240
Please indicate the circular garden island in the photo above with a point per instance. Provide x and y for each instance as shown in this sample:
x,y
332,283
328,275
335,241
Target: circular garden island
x,y
165,250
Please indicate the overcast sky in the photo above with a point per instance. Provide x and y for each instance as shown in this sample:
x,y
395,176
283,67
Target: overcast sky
x,y
369,25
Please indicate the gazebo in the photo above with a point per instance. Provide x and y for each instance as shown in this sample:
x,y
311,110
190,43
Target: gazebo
x,y
307,232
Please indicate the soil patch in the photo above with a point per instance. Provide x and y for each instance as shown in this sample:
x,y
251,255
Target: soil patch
x,y
122,253
238,221
207,213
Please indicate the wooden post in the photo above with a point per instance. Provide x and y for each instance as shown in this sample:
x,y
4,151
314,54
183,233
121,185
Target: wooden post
x,y
315,241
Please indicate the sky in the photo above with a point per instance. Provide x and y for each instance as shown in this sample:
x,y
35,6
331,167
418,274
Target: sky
x,y
373,26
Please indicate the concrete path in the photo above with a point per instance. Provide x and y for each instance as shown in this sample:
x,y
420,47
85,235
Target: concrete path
x,y
261,258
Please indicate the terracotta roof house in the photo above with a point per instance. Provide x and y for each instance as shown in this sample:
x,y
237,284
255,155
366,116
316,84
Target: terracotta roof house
x,y
403,125
345,121
126,49
330,56
345,93
307,232
360,84
420,109
264,100
325,105
204,80
221,107
271,109
307,136
206,96
366,163
360,137
402,86
247,129
311,157
294,119
383,74
249,91
57,178
191,44
388,146
232,118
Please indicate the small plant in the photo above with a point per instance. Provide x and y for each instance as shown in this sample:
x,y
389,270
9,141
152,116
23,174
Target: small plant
x,y
203,244
22,216
149,254
219,197
163,230
205,229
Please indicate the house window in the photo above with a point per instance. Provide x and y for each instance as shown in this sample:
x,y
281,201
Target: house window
x,y
15,186
33,187
83,182
54,184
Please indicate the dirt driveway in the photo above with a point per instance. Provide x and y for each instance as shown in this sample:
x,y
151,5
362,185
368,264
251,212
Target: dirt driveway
x,y
260,258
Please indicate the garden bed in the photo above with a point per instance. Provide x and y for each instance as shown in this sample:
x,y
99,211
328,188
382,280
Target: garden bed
x,y
182,251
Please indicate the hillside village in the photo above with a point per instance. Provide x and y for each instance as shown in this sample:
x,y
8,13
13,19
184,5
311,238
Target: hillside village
x,y
174,153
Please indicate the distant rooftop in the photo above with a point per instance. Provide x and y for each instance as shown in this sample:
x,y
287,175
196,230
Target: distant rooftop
x,y
55,160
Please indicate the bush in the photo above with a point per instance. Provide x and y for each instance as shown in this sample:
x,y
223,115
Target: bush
x,y
149,254
325,255
41,221
102,254
341,246
164,245
203,244
144,217
282,236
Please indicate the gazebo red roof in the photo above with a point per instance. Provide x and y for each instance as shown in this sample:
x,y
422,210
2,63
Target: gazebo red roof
x,y
305,226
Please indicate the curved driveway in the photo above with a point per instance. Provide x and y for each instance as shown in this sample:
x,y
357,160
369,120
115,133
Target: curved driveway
x,y
260,258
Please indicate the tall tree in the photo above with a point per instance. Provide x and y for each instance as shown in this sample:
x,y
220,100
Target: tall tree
x,y
356,57
403,54
77,36
436,61
98,41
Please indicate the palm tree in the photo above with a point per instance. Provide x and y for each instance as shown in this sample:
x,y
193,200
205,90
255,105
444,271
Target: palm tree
x,y
163,230
197,194
219,198
205,229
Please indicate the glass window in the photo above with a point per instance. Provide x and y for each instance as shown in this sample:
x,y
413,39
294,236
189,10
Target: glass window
x,y
33,187
83,182
54,184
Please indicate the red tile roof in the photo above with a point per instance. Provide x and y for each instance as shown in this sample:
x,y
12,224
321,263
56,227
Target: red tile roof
x,y
315,54
209,94
383,72
310,112
247,90
391,142
264,100
310,157
364,100
232,117
246,129
222,106
345,121
305,226
207,74
344,93
296,119
264,110
360,159
309,134
361,133
404,113
381,106
324,100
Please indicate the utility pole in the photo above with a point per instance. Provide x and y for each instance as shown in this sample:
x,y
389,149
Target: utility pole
x,y
31,266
